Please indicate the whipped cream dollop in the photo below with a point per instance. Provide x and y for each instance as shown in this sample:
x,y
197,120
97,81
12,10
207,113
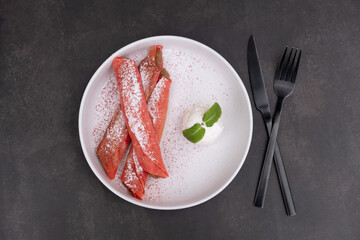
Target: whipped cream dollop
x,y
195,115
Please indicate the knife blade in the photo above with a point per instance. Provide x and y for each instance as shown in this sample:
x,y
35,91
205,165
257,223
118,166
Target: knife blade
x,y
262,104
256,80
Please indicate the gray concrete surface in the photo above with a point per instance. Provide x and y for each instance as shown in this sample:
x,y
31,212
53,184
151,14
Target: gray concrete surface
x,y
49,49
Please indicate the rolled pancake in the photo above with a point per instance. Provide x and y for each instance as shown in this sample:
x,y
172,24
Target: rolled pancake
x,y
133,176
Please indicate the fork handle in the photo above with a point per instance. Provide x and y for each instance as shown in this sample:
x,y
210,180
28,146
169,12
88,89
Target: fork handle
x,y
284,183
265,171
283,180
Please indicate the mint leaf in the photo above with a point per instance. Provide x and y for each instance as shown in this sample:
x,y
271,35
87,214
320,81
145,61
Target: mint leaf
x,y
212,115
195,133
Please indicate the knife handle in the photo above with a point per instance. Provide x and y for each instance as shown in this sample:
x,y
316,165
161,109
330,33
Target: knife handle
x,y
280,170
269,156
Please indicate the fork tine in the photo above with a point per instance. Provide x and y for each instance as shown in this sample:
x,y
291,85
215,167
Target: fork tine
x,y
286,67
294,73
279,69
290,69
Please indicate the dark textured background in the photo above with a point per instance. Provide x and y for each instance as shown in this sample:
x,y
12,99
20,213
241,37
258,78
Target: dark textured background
x,y
48,52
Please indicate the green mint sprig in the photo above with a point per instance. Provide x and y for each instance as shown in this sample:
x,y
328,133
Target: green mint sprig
x,y
197,132
212,115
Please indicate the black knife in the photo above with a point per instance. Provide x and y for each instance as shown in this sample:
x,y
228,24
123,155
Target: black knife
x,y
262,104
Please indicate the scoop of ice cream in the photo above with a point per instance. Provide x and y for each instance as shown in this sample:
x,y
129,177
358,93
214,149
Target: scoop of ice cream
x,y
195,115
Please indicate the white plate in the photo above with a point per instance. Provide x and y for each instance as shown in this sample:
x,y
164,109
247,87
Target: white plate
x,y
199,76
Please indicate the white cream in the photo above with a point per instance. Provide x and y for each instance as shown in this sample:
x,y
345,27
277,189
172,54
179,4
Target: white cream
x,y
195,115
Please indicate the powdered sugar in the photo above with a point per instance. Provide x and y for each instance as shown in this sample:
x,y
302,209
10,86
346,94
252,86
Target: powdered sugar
x,y
138,168
132,91
154,99
107,102
131,175
149,71
139,122
146,72
116,132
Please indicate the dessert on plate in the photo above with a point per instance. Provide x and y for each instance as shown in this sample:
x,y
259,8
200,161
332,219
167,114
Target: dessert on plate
x,y
115,142
133,176
137,117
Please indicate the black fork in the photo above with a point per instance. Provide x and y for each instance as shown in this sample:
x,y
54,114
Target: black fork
x,y
284,85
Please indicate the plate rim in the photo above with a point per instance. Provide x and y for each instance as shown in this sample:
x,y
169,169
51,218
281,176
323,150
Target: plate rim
x,y
130,198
